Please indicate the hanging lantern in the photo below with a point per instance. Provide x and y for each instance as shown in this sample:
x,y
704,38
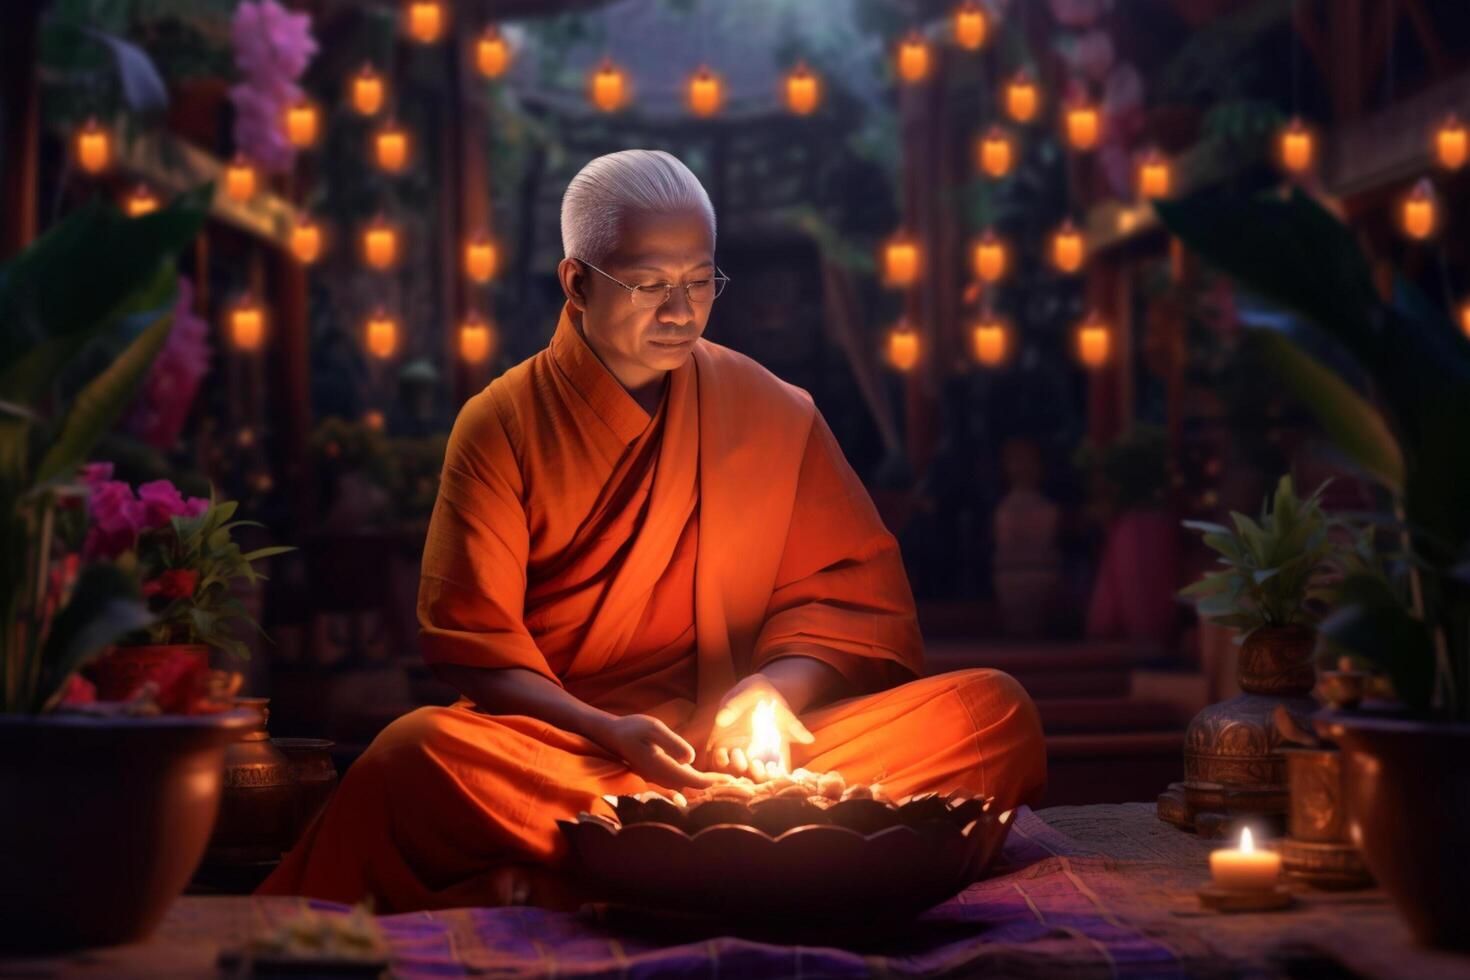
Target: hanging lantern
x,y
1153,175
900,263
1094,342
247,324
1083,124
1296,148
476,339
802,91
390,148
913,57
368,91
1465,317
1068,249
903,346
373,419
140,202
381,335
481,259
240,179
996,153
970,26
1451,143
380,244
302,123
1419,210
990,341
306,240
93,147
609,87
424,20
492,53
988,257
705,93
1022,98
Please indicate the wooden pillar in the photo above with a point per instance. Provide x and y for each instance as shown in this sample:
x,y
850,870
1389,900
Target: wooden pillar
x,y
20,117
290,383
454,227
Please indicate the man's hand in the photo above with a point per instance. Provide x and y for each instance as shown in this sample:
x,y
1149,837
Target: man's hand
x,y
655,751
729,741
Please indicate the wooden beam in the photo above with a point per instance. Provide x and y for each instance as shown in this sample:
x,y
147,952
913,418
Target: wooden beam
x,y
20,136
1424,29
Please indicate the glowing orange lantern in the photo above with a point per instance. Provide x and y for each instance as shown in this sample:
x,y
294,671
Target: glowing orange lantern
x,y
424,20
380,244
306,240
1094,342
705,93
903,347
142,201
492,53
997,153
373,419
913,58
990,341
247,324
1297,148
475,340
93,147
1083,125
481,258
240,179
802,91
1068,248
1465,317
368,91
988,257
302,124
970,27
381,335
609,87
1022,98
1419,210
1451,143
390,148
900,263
1153,175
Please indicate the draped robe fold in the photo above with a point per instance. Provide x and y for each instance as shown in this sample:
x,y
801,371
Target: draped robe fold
x,y
645,563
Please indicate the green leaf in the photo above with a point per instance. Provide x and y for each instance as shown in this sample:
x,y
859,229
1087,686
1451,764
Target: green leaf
x,y
267,552
1349,420
104,607
97,406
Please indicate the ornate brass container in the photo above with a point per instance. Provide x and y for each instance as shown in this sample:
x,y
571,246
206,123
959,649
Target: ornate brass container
x,y
1232,766
257,814
1319,851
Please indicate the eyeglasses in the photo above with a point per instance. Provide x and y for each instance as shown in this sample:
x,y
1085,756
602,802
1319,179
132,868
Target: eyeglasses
x,y
656,294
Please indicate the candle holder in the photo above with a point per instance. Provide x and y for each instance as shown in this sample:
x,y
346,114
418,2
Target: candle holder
x,y
1232,766
1229,900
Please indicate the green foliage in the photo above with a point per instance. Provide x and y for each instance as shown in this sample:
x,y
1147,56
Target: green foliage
x,y
1134,467
81,281
1292,251
1271,564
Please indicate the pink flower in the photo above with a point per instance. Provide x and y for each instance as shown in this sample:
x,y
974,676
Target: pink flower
x,y
272,48
116,517
95,473
162,406
78,690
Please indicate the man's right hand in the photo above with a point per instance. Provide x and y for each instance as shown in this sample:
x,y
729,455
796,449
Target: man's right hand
x,y
655,751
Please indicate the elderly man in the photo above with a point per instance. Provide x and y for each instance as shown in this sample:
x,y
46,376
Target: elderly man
x,y
639,536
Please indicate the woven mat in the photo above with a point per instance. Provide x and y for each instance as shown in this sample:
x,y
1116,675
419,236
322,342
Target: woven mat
x,y
1083,892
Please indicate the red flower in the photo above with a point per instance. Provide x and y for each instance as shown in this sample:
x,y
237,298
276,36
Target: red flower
x,y
78,690
176,583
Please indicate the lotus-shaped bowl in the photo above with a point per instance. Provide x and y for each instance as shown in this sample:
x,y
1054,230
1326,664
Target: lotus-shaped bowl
x,y
789,860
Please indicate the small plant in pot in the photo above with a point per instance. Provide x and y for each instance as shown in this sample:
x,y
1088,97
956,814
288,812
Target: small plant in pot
x,y
1407,786
103,817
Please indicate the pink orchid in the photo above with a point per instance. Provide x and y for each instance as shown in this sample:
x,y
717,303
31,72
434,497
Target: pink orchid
x,y
272,48
162,406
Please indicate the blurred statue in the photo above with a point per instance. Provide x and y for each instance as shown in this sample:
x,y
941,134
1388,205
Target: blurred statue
x,y
1027,568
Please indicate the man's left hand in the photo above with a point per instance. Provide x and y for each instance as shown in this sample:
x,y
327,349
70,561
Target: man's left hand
x,y
728,747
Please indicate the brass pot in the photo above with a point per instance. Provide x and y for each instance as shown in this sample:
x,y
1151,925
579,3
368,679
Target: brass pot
x,y
119,671
1316,795
257,815
315,776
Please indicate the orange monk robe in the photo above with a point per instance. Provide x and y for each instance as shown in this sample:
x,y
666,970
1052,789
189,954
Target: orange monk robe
x,y
645,564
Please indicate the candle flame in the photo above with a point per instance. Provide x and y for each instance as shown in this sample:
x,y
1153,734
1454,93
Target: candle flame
x,y
1247,843
765,735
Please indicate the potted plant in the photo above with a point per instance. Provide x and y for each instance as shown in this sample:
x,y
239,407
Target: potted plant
x,y
103,816
1406,782
1264,591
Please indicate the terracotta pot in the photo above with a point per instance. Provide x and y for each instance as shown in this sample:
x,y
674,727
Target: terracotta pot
x,y
257,812
1407,789
315,776
119,671
102,822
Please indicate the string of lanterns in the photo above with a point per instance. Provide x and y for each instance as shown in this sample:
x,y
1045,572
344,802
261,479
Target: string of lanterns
x,y
609,90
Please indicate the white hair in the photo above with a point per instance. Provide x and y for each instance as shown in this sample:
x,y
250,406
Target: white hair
x,y
610,186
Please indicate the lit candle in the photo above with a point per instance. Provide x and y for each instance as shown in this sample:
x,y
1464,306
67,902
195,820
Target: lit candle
x,y
382,335
367,91
1418,213
492,53
306,240
903,347
1083,126
996,153
609,87
424,20
380,244
1022,98
989,342
1094,343
1067,248
142,201
1153,175
913,58
801,91
900,263
390,145
1296,147
93,147
240,179
704,93
989,257
480,259
474,340
1452,143
1245,869
970,28
302,123
247,324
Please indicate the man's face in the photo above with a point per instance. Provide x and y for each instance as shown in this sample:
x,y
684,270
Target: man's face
x,y
639,345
